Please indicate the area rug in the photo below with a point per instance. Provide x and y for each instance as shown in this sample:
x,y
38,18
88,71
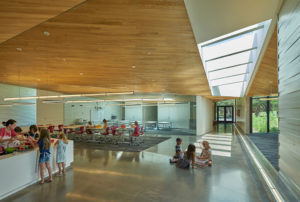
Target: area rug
x,y
267,143
148,142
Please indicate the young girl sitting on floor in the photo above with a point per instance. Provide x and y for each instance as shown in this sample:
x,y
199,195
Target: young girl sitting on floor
x,y
189,156
61,153
205,156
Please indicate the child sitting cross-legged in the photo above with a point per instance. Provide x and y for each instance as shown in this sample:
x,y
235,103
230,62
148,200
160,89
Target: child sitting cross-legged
x,y
205,156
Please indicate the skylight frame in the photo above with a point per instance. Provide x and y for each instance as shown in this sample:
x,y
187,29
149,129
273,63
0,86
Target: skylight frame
x,y
254,35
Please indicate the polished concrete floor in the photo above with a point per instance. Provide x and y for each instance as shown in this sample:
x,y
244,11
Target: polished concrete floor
x,y
98,175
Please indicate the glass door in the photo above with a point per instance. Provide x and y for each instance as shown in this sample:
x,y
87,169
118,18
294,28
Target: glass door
x,y
221,114
225,114
229,114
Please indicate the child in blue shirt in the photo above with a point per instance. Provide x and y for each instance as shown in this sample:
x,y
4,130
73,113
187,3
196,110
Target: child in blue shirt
x,y
178,151
44,158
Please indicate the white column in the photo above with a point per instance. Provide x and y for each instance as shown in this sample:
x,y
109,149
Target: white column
x,y
204,115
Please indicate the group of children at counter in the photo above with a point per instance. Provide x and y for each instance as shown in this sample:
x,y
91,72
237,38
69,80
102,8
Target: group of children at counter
x,y
11,134
184,159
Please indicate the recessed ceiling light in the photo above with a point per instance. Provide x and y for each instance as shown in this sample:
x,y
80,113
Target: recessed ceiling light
x,y
19,49
133,66
46,33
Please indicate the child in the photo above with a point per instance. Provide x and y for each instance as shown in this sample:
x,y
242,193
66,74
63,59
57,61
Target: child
x,y
136,127
205,156
19,130
178,151
44,145
33,132
61,153
90,125
189,156
104,132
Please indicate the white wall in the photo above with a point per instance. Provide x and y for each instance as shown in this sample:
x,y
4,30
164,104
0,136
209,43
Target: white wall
x,y
25,115
133,113
227,16
204,115
150,113
94,111
243,106
178,114
49,113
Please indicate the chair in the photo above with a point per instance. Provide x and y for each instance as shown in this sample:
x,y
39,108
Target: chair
x,y
142,130
51,129
136,138
60,128
79,134
116,135
70,133
142,134
104,137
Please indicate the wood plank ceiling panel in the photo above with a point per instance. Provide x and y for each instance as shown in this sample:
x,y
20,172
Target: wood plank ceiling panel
x,y
266,78
16,16
94,47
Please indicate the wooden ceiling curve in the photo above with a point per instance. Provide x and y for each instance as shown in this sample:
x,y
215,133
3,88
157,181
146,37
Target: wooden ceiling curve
x,y
145,46
266,78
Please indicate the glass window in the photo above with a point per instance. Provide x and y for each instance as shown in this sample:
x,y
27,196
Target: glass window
x,y
264,114
228,80
233,56
242,69
228,61
259,116
273,115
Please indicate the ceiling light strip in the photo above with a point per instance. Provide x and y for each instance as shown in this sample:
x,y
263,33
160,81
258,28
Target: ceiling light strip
x,y
224,77
230,66
67,96
123,100
231,54
233,36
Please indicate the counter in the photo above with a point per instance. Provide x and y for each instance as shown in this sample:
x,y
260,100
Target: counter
x,y
21,169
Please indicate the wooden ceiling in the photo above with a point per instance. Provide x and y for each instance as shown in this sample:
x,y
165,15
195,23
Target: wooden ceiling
x,y
266,79
75,46
17,16
140,45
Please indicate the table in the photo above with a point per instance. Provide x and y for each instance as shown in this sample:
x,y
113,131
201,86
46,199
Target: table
x,y
23,166
164,123
97,130
45,126
71,127
150,123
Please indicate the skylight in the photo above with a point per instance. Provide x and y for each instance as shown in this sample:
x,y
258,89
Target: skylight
x,y
229,60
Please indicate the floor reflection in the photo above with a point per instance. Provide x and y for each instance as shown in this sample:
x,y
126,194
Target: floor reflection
x,y
99,175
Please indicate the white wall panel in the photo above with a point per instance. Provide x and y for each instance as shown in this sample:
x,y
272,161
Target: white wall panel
x,y
25,115
289,92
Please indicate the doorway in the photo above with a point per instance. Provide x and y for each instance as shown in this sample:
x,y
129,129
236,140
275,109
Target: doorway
x,y
225,114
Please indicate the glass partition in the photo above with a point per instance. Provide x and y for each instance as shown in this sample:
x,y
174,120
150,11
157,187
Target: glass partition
x,y
264,114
